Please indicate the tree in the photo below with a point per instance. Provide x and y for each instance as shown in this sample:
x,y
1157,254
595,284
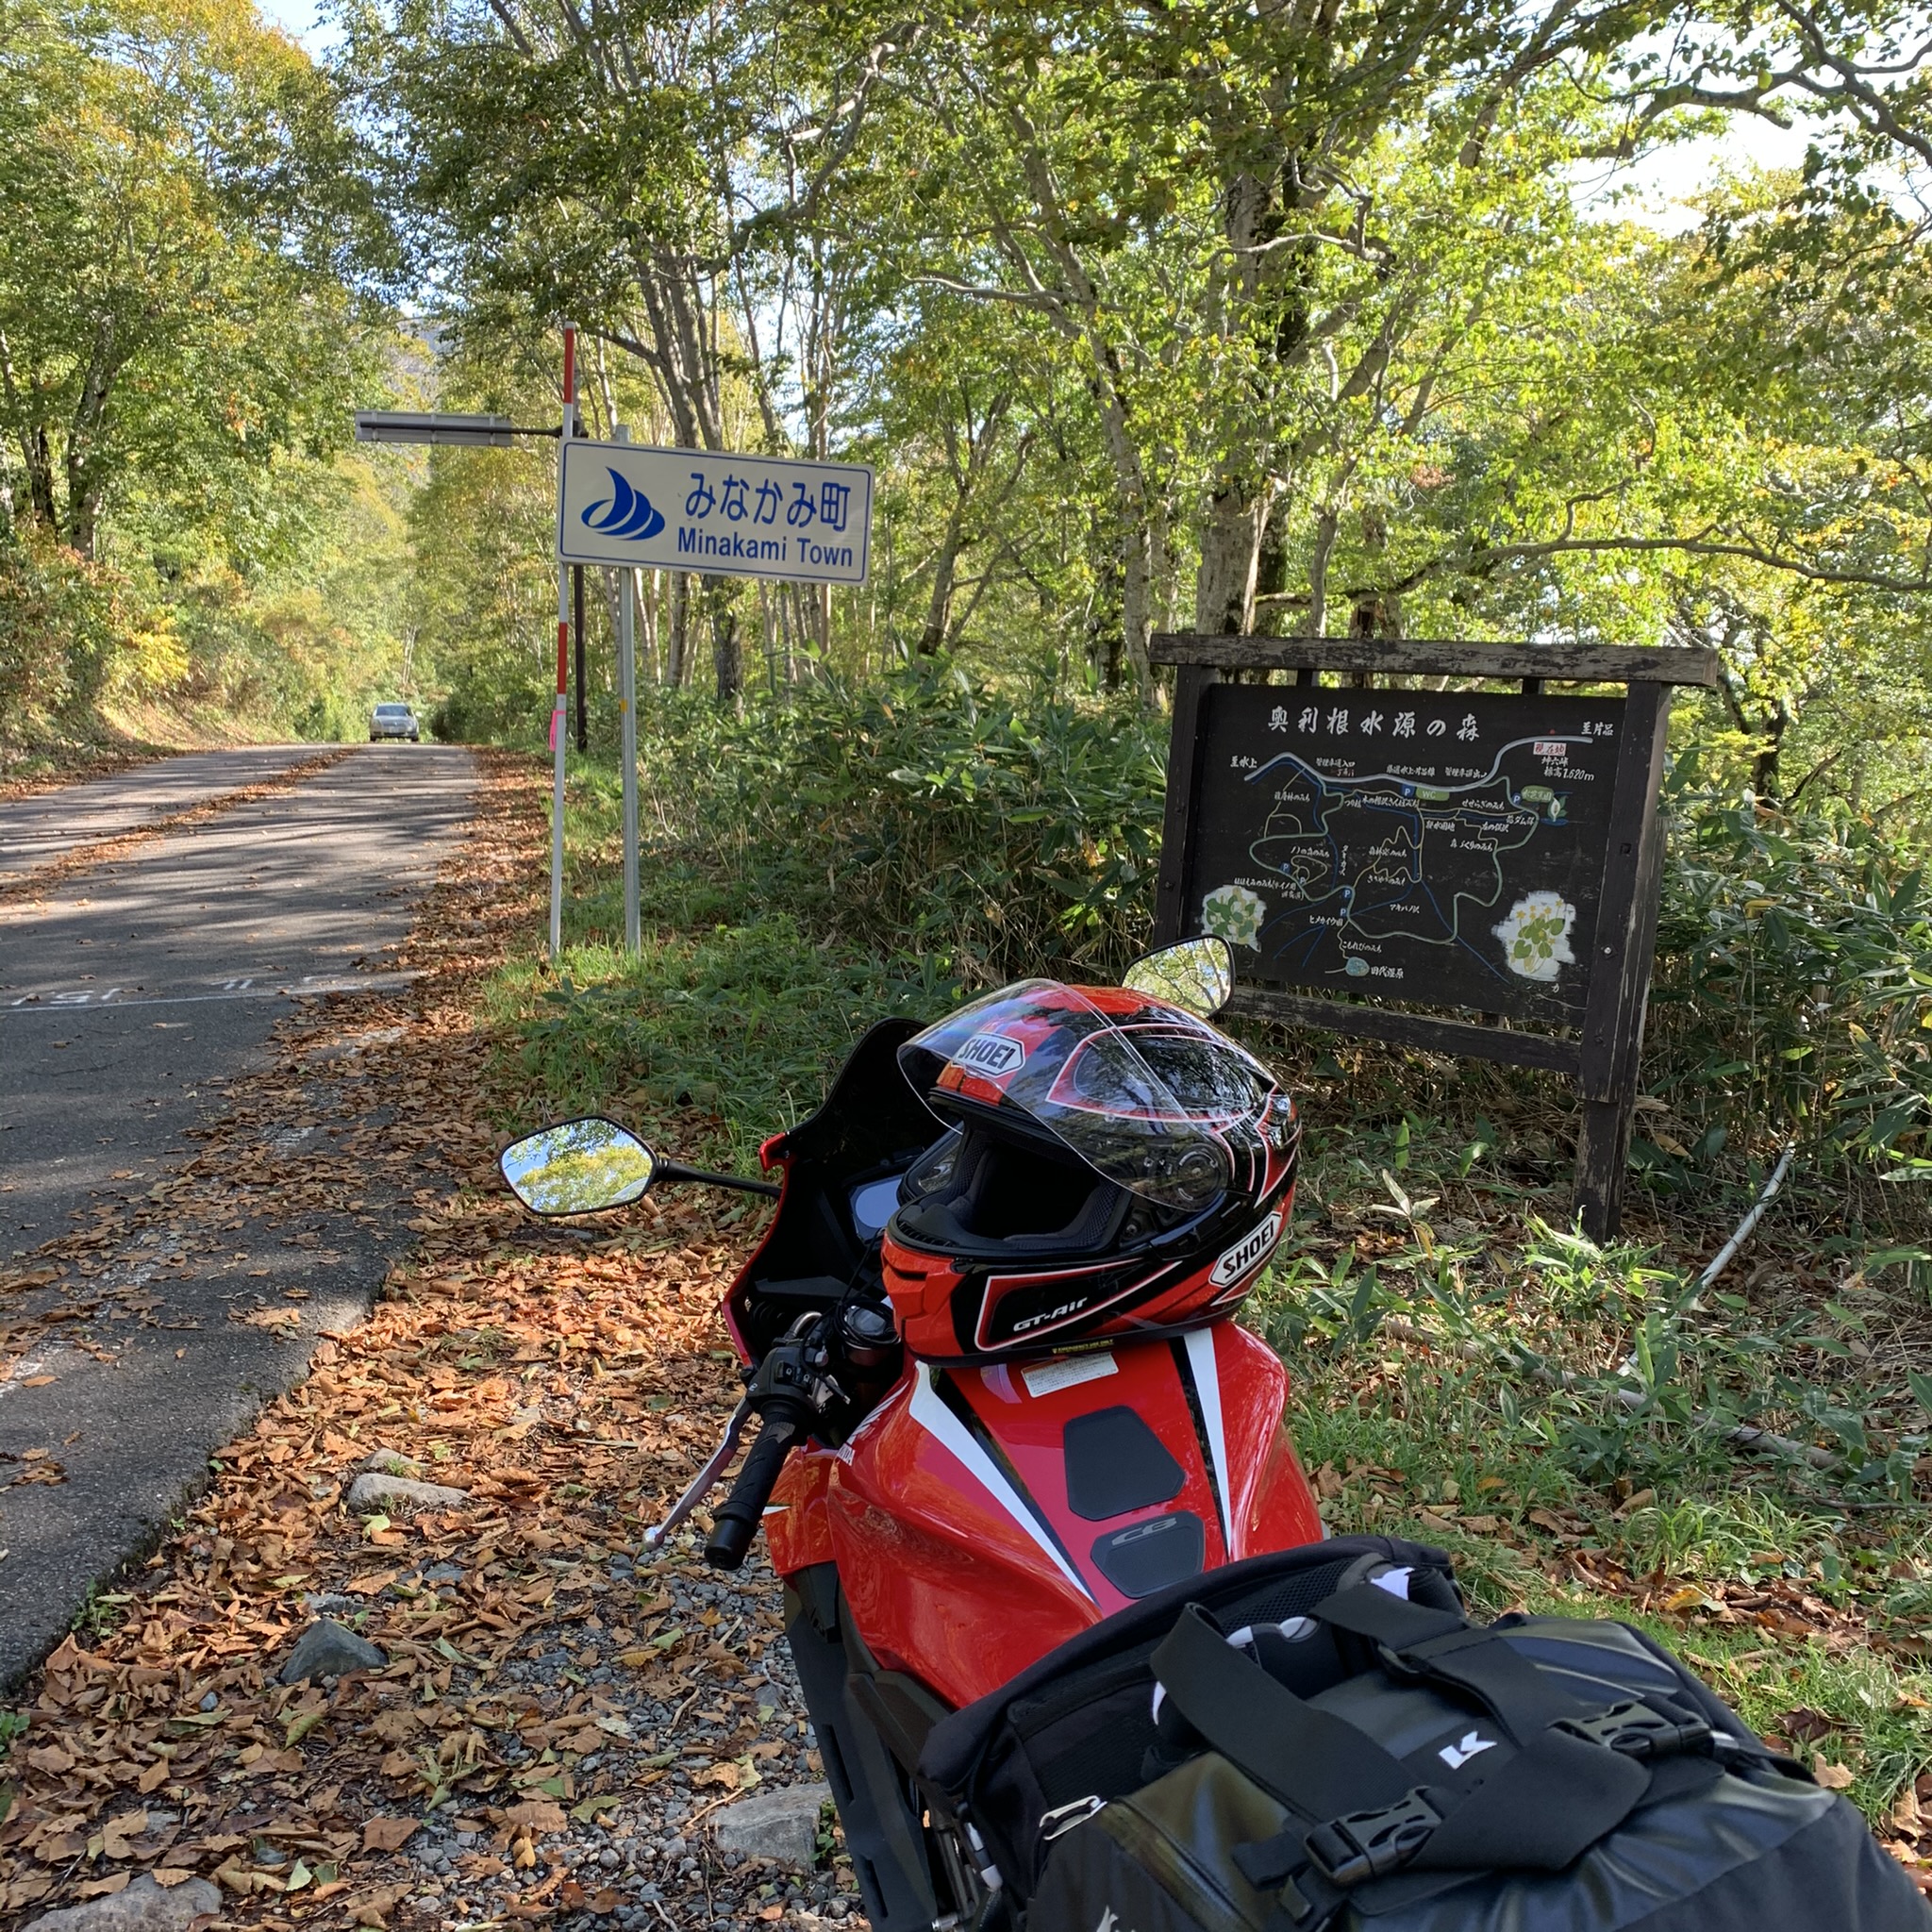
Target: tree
x,y
170,303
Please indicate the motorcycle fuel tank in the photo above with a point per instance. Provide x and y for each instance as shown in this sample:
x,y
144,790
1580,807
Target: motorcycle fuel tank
x,y
981,1516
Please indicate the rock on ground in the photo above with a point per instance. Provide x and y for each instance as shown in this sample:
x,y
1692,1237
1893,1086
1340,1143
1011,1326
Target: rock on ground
x,y
377,1491
142,1906
328,1649
781,1826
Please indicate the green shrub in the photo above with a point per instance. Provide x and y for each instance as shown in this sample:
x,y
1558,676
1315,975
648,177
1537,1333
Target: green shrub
x,y
60,623
1794,989
983,834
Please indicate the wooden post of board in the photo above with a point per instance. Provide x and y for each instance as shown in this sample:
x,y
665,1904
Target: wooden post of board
x,y
1602,1051
1183,784
1611,1046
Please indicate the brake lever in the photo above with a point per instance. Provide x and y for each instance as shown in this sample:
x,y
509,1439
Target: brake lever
x,y
706,1480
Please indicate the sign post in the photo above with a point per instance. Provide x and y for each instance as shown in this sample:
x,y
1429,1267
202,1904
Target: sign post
x,y
632,507
1495,851
627,708
563,629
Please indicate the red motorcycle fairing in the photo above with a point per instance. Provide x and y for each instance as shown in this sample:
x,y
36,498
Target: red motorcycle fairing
x,y
980,1516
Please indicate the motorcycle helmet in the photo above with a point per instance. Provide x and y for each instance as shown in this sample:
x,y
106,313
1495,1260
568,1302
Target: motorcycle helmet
x,y
1112,1166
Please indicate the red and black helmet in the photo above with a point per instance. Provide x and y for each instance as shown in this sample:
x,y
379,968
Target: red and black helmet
x,y
1114,1166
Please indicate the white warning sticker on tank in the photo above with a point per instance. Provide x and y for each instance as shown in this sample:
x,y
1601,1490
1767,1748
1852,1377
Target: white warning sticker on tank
x,y
1068,1371
1249,1252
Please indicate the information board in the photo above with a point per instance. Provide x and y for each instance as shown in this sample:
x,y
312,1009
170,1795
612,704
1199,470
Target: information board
x,y
1380,847
1445,848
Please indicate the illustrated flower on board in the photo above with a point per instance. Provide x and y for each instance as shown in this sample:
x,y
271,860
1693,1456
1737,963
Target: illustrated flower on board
x,y
1536,935
1235,914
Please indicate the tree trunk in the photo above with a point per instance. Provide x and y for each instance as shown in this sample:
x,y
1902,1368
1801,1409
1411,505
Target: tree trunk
x,y
36,454
84,478
39,470
1765,778
1135,537
1230,557
1326,522
83,510
727,652
677,655
939,607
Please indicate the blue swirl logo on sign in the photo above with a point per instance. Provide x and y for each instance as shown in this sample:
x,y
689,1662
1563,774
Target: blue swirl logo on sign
x,y
627,512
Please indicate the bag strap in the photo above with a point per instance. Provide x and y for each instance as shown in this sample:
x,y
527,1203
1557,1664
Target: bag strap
x,y
1538,1810
1479,1661
1311,1760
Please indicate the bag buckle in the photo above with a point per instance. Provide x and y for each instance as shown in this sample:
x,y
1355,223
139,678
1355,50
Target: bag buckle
x,y
1063,1818
1637,1731
1371,1844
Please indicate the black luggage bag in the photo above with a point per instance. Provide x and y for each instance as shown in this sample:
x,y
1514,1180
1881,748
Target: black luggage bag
x,y
1320,1741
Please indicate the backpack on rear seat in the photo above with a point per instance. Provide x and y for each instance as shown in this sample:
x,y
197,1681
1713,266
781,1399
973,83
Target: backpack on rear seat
x,y
1320,1741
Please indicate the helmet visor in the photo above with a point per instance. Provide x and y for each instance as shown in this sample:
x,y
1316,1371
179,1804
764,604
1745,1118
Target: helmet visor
x,y
1144,1099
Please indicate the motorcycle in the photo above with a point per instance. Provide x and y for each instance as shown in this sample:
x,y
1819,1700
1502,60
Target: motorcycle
x,y
989,1338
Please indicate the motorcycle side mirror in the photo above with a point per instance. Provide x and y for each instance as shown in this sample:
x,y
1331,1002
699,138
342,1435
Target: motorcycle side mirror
x,y
1196,976
579,1167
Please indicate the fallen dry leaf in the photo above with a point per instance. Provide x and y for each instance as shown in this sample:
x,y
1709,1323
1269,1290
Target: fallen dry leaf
x,y
117,1832
388,1834
536,1815
1687,1597
1806,1725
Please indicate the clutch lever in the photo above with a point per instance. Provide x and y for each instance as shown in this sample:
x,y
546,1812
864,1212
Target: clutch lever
x,y
706,1480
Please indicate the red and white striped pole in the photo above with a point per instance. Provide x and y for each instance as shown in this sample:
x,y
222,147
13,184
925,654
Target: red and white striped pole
x,y
557,715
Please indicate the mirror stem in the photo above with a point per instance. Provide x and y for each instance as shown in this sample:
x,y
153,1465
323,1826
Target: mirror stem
x,y
672,1171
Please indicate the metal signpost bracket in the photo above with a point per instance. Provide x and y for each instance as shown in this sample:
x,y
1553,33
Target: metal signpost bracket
x,y
1598,1036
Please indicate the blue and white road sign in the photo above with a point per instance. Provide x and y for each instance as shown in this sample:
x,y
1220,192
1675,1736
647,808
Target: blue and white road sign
x,y
692,509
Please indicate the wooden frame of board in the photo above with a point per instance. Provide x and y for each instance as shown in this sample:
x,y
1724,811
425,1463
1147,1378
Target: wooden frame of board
x,y
1602,1054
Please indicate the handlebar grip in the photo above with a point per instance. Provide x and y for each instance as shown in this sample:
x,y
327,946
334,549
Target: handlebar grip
x,y
737,1523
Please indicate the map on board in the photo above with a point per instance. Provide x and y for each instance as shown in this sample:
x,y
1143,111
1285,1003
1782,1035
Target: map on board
x,y
1440,848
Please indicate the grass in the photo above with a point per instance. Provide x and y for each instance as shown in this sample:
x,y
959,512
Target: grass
x,y
718,1038
1463,1368
1456,1372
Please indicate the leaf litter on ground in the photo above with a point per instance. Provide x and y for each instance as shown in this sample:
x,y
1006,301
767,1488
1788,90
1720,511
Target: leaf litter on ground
x,y
558,1710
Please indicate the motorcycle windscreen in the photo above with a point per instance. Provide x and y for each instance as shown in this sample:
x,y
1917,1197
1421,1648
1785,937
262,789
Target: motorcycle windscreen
x,y
1144,1099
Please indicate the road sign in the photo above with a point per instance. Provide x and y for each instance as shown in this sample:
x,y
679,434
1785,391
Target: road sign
x,y
720,515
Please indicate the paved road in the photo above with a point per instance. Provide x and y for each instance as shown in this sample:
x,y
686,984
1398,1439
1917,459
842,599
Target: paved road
x,y
127,1001
48,825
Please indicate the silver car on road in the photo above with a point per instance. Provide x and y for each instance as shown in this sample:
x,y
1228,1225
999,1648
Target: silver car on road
x,y
395,721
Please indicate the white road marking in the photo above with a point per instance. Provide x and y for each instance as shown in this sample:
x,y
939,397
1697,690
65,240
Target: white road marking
x,y
312,986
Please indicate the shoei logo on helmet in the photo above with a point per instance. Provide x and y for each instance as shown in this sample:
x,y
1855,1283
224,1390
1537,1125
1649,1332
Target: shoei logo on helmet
x,y
1248,1252
992,1053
